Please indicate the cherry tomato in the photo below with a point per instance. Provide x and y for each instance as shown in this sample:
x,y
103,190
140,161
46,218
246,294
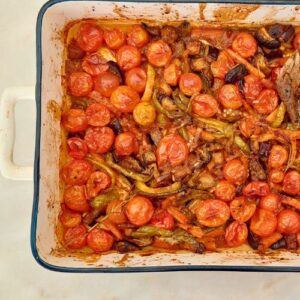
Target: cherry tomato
x,y
114,38
296,41
106,83
128,57
222,65
124,98
256,188
241,209
212,213
75,237
225,190
97,182
244,44
89,37
252,87
204,105
270,202
291,183
137,36
266,102
75,198
77,148
172,149
236,234
98,114
263,223
230,96
99,240
159,53
126,144
99,139
278,156
136,78
249,126
275,73
288,222
190,84
235,171
80,84
76,172
276,176
115,212
74,120
161,218
171,74
144,114
139,210
69,218
94,64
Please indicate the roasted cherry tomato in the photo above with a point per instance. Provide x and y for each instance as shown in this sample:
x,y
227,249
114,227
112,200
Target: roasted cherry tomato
x,y
80,84
276,176
136,78
106,83
94,64
98,114
77,148
236,234
99,139
256,188
126,144
296,41
74,51
75,120
225,190
99,240
275,73
266,102
190,84
270,202
139,210
161,218
114,38
212,212
124,98
137,36
230,96
76,172
252,87
204,105
97,182
89,37
263,222
242,209
222,65
288,222
75,198
128,57
244,44
69,218
75,237
235,171
159,53
291,183
144,114
249,126
172,150
115,212
278,156
172,73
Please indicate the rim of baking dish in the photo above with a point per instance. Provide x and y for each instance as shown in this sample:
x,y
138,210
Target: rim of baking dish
x,y
34,249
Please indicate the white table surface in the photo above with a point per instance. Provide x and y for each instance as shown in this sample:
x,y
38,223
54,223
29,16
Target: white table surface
x,y
22,278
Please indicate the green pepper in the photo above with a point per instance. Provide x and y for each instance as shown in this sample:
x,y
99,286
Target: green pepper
x,y
180,102
149,231
242,144
124,182
225,128
125,172
102,200
279,115
183,132
159,191
193,194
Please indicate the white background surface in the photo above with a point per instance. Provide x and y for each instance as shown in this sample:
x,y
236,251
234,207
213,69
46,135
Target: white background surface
x,y
22,278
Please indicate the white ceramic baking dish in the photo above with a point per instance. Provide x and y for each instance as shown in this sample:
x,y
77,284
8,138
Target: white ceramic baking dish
x,y
52,18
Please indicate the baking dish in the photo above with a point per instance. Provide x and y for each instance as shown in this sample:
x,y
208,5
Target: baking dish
x,y
52,19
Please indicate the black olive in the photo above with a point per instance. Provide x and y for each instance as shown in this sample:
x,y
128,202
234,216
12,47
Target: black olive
x,y
240,85
264,149
288,34
213,53
277,53
253,240
114,68
279,244
152,30
266,40
276,30
116,126
291,241
236,73
124,247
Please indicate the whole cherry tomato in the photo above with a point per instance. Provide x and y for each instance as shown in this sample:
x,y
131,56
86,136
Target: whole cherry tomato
x,y
97,182
222,65
128,57
137,36
139,210
76,172
276,176
136,78
263,223
74,120
126,144
89,37
173,150
190,84
99,240
270,202
288,222
278,157
69,218
161,218
266,102
94,65
244,44
115,212
236,234
256,188
252,87
242,209
296,41
172,73
80,84
75,237
98,114
291,183
114,38
159,53
106,83
249,126
77,148
225,190
204,105
75,198
230,96
235,171
99,139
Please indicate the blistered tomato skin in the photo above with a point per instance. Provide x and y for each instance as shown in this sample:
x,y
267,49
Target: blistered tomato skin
x,y
97,115
242,209
138,37
263,223
270,202
75,237
126,144
236,234
256,188
99,240
278,157
288,222
291,183
128,57
252,87
97,182
235,171
76,172
136,78
159,53
116,212
225,190
106,83
204,105
77,148
266,102
162,219
124,98
244,44
230,96
80,84
89,37
114,38
190,84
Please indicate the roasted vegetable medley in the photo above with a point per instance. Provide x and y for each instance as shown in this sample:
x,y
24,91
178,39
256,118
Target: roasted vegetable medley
x,y
180,137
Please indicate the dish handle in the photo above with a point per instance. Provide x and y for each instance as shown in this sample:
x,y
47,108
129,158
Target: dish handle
x,y
9,99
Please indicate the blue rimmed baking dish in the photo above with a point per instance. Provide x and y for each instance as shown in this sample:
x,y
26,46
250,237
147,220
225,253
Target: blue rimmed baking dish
x,y
52,18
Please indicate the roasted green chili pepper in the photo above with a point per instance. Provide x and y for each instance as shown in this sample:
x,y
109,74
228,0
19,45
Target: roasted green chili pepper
x,y
242,144
183,132
224,128
159,191
279,115
149,231
102,200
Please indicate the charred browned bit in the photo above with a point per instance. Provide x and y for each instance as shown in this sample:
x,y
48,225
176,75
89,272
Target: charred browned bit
x,y
116,126
155,136
169,34
253,240
131,163
278,245
257,171
265,39
74,51
291,241
125,247
152,30
236,73
115,69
